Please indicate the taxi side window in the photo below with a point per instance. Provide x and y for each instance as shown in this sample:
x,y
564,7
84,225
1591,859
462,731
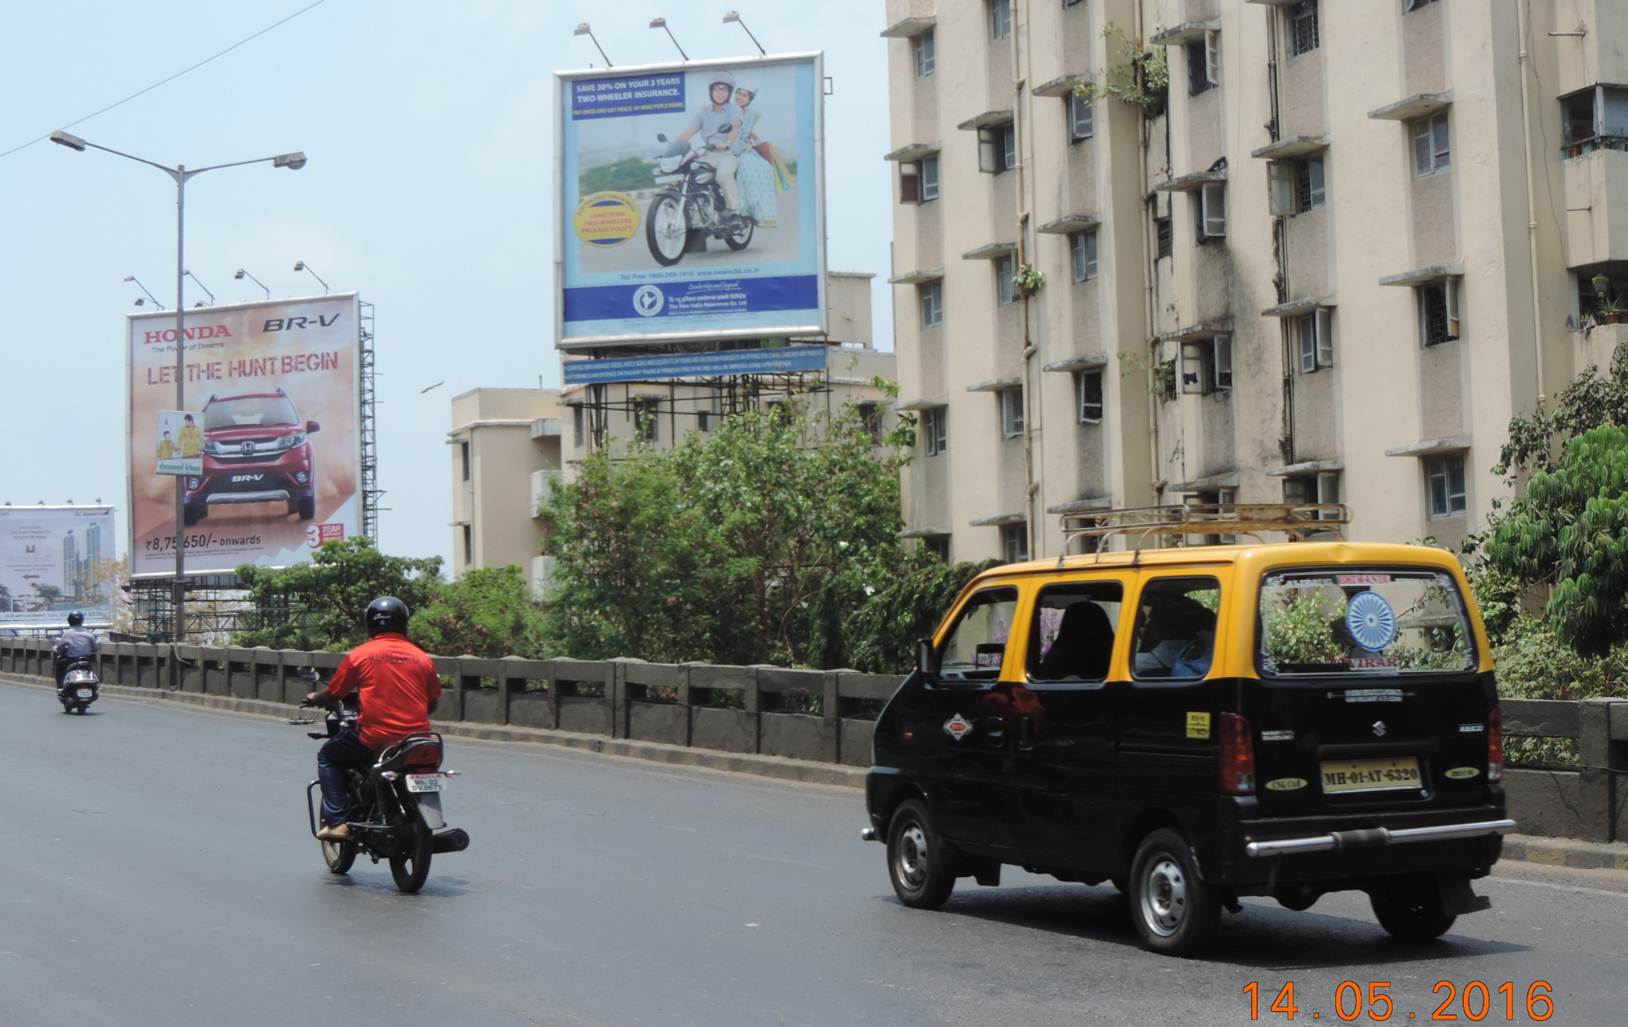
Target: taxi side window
x,y
977,644
1174,637
1073,634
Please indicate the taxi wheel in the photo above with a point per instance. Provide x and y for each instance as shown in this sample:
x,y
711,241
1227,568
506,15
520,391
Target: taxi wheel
x,y
919,864
1411,910
1175,913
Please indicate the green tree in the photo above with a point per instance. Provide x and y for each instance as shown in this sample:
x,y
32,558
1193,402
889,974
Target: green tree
x,y
489,612
1569,530
319,605
905,604
1591,399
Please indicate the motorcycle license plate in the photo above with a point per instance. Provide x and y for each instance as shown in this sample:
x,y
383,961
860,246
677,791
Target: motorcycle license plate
x,y
86,693
425,783
1371,775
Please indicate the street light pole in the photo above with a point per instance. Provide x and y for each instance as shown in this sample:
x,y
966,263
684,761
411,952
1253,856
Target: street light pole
x,y
180,174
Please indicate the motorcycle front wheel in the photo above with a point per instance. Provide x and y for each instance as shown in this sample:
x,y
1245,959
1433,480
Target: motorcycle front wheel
x,y
666,229
410,863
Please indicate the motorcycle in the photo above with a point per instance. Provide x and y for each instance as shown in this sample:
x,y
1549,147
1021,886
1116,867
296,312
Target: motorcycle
x,y
395,807
79,687
690,208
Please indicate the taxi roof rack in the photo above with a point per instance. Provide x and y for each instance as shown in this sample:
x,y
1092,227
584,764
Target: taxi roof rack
x,y
1296,520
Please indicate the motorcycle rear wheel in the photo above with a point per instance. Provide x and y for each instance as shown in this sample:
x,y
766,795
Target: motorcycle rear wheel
x,y
339,856
410,863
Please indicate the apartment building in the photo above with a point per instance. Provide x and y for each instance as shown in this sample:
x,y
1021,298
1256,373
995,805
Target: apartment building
x,y
505,456
1329,261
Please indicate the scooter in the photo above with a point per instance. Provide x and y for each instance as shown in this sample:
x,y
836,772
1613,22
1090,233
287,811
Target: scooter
x,y
79,687
395,807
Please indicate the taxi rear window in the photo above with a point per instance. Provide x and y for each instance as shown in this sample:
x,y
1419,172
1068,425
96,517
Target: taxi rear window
x,y
1379,622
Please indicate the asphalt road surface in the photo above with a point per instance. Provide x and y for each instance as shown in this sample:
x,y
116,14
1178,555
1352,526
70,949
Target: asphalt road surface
x,y
156,868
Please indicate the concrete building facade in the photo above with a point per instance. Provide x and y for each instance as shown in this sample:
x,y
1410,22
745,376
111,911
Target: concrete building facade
x,y
1328,262
505,457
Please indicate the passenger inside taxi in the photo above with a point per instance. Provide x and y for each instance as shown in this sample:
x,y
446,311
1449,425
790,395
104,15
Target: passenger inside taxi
x,y
1177,636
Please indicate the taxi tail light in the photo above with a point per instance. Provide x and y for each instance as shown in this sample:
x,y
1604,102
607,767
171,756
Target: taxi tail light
x,y
1237,756
1495,744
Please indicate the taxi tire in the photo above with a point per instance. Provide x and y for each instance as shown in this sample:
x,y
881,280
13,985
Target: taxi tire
x,y
1166,854
1411,910
912,827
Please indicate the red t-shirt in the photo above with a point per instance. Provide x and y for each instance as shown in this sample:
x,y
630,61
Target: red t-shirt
x,y
395,682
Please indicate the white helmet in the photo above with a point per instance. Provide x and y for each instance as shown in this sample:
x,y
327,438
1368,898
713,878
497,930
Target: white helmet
x,y
747,86
721,77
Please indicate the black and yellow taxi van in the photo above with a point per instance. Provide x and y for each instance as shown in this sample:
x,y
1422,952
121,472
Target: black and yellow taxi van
x,y
1201,723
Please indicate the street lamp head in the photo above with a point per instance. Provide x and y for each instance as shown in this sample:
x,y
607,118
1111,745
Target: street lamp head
x,y
583,29
731,16
292,161
655,23
72,142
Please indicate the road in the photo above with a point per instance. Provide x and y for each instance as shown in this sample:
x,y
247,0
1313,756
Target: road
x,y
156,869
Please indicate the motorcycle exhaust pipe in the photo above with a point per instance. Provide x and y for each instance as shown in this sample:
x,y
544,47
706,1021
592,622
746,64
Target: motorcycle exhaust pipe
x,y
453,839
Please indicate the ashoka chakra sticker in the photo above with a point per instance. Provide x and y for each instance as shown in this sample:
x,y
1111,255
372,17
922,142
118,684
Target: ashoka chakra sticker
x,y
1371,621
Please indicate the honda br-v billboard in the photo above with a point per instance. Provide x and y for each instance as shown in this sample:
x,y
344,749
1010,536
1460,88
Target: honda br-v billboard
x,y
269,419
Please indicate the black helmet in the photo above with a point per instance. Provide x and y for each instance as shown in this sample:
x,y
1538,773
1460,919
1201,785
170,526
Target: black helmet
x,y
76,619
386,613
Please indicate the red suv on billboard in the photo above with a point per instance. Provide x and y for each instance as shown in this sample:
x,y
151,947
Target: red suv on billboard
x,y
256,450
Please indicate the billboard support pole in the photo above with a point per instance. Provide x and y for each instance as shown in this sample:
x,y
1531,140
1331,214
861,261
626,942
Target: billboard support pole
x,y
178,596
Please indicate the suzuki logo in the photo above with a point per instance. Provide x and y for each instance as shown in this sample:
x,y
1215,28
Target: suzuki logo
x,y
1379,729
957,727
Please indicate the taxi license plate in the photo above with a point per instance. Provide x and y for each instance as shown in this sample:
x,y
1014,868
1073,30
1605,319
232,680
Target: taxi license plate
x,y
425,782
1382,775
86,693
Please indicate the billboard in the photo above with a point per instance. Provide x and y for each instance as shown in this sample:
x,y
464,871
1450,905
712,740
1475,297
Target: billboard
x,y
273,391
55,559
691,201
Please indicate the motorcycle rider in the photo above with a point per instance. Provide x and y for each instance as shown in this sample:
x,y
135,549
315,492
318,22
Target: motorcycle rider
x,y
398,688
718,125
74,644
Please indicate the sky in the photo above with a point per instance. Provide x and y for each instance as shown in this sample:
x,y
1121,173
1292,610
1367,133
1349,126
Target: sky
x,y
428,129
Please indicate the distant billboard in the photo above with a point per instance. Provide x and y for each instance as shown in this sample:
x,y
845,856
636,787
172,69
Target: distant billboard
x,y
668,366
56,559
690,201
272,389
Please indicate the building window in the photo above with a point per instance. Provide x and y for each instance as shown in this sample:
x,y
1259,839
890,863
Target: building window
x,y
469,544
918,181
1445,476
1015,542
1165,379
1204,63
934,431
1296,185
997,148
1613,280
1083,246
1303,28
932,304
1212,211
646,416
463,458
1432,147
1088,391
926,55
1163,237
938,545
703,420
1315,335
1005,291
1000,20
1011,413
1221,363
870,419
578,431
1593,119
1081,118
1197,367
1328,494
1322,488
1438,312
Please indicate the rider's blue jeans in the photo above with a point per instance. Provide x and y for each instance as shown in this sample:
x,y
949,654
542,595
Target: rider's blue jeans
x,y
338,754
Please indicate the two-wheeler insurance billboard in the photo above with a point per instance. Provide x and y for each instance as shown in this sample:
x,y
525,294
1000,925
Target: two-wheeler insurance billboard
x,y
54,560
272,391
691,201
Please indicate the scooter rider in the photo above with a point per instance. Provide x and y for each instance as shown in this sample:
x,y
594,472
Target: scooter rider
x,y
398,688
74,644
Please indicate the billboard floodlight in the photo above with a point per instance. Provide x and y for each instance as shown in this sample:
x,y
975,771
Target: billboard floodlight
x,y
241,274
584,29
661,23
734,16
144,289
300,265
201,285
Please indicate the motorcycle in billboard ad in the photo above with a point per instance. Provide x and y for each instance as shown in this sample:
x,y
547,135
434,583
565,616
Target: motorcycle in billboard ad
x,y
266,435
691,201
54,560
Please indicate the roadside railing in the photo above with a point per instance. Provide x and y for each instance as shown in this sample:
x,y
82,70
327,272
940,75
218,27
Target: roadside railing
x,y
825,716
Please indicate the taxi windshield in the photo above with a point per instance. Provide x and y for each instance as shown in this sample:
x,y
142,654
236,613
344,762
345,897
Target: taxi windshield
x,y
1363,622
